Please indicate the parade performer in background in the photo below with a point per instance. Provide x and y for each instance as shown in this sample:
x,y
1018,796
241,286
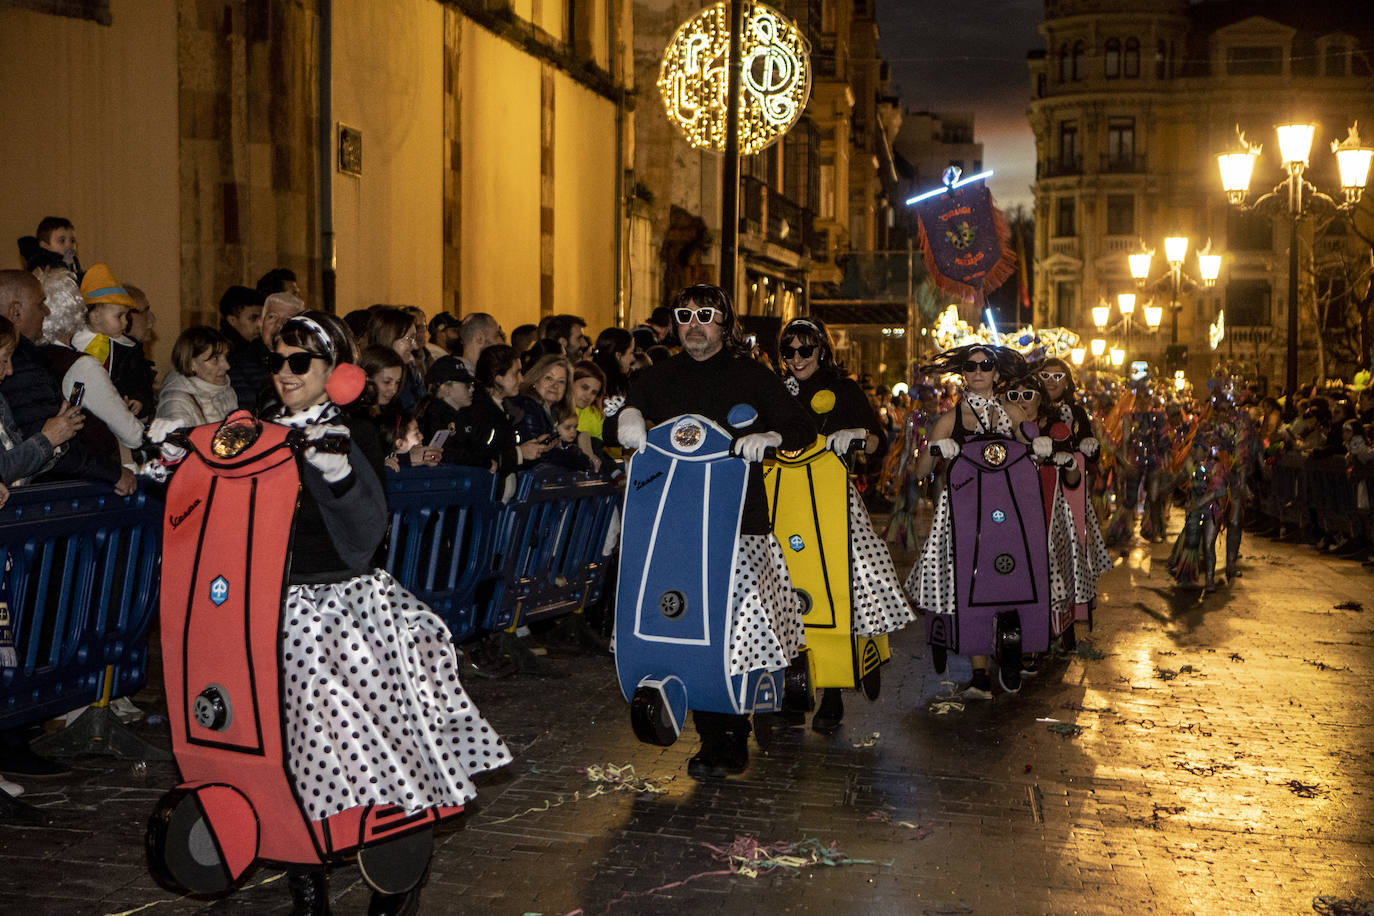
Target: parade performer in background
x,y
1091,560
879,606
1194,556
373,711
900,483
932,582
710,378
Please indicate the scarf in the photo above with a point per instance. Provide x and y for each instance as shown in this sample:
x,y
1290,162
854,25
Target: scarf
x,y
99,347
991,417
316,413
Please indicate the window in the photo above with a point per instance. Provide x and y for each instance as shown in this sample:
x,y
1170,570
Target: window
x,y
1112,58
1065,300
1120,143
1040,85
1265,60
1063,63
1248,303
1121,214
1068,145
1063,218
1248,231
1335,60
1130,63
1161,59
1077,60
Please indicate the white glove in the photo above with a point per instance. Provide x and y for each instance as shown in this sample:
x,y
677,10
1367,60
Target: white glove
x,y
1042,446
630,429
842,440
1063,459
944,448
333,467
751,447
1088,446
157,433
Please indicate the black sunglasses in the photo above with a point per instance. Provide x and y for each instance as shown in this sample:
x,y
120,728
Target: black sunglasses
x,y
979,365
299,362
804,351
1018,395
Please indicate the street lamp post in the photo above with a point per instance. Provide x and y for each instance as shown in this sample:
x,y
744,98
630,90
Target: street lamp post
x,y
1295,144
1175,253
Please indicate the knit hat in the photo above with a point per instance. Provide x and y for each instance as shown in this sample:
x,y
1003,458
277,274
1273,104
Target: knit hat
x,y
100,287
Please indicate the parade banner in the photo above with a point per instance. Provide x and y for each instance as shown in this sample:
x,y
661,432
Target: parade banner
x,y
966,240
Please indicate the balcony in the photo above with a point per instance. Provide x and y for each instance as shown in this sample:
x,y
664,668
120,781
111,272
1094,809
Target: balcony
x,y
1120,244
1062,167
768,215
1123,165
1250,335
1064,247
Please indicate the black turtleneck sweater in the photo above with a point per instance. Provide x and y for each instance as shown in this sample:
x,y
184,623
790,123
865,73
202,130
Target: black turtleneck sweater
x,y
852,409
710,388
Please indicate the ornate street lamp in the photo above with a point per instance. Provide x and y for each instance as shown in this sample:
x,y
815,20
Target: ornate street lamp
x,y
1175,253
1295,145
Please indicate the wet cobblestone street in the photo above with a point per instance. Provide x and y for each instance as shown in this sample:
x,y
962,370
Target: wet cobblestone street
x,y
1217,758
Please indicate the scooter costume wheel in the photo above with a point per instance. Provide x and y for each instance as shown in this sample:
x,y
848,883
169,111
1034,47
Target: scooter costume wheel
x,y
1008,650
939,658
650,717
796,686
397,866
201,840
872,683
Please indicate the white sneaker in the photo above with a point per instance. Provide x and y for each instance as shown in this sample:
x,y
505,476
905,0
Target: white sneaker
x,y
12,789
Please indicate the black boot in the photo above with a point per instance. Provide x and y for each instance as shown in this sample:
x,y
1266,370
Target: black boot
x,y
827,718
407,904
309,890
709,762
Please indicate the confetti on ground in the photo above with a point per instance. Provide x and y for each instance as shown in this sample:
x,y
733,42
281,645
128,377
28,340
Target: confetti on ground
x,y
1066,729
1202,769
871,740
1349,606
945,707
1236,657
1323,666
885,817
608,779
1086,650
1305,789
1168,674
1079,707
748,857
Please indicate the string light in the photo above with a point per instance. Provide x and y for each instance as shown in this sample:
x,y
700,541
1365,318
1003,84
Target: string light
x,y
775,80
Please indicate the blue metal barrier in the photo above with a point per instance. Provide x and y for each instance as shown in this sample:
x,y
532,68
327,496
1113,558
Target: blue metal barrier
x,y
551,547
444,523
83,574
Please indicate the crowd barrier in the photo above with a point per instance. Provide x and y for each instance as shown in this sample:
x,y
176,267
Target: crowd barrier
x,y
84,570
1326,492
83,574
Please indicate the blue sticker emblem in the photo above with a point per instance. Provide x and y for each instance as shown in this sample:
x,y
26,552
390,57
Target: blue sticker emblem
x,y
219,590
796,542
999,516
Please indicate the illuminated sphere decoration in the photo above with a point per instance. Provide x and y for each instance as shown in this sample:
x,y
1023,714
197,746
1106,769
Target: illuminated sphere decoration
x,y
775,79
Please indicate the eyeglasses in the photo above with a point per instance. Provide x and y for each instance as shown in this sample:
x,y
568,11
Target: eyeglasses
x,y
804,351
979,365
299,363
1052,376
704,314
1015,396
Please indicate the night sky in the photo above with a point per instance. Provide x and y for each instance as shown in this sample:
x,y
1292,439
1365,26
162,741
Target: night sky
x,y
970,56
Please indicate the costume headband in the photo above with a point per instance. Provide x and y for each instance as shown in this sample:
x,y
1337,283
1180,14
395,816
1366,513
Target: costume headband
x,y
314,327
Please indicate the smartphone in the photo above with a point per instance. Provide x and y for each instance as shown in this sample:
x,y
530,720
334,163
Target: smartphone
x,y
440,437
78,394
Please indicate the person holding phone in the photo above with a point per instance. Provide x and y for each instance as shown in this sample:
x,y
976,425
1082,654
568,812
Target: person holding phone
x,y
22,457
547,383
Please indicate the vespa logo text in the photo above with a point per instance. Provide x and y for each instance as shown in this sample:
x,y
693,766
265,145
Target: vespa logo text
x,y
176,520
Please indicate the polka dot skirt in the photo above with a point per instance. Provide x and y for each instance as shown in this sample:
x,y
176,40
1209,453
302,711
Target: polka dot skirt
x,y
374,710
875,591
766,627
1063,545
931,583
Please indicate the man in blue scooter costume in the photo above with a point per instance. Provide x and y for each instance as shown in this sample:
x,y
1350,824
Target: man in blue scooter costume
x,y
715,378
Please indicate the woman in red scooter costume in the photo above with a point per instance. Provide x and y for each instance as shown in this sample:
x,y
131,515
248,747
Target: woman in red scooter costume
x,y
931,583
373,711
